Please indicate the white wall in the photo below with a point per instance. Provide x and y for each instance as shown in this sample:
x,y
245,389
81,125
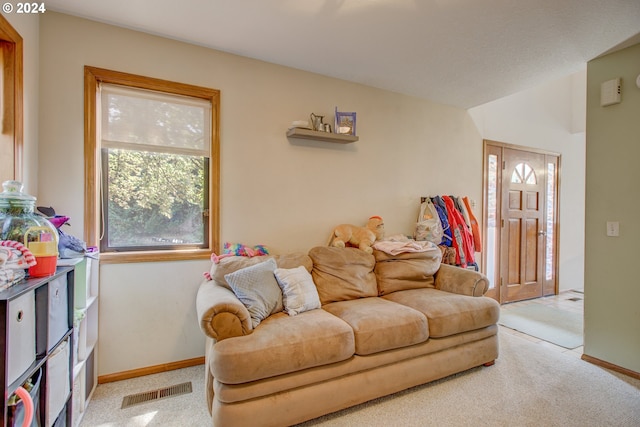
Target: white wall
x,y
287,194
550,117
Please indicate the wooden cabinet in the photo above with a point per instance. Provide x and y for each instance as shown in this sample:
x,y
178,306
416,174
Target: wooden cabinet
x,y
36,323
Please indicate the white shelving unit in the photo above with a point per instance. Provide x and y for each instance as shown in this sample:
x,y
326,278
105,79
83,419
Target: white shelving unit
x,y
85,351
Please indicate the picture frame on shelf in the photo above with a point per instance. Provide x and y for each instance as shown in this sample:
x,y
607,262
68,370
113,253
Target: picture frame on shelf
x,y
345,123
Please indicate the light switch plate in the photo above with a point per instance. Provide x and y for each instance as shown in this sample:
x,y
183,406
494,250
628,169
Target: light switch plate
x,y
613,228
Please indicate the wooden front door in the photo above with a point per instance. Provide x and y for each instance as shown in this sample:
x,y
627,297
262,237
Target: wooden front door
x,y
522,225
520,222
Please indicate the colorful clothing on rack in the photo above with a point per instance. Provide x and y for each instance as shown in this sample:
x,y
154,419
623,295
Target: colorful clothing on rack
x,y
461,230
462,238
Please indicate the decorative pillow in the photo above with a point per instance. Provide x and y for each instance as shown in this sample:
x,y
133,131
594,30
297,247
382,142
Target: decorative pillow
x,y
257,288
342,274
408,270
230,264
299,293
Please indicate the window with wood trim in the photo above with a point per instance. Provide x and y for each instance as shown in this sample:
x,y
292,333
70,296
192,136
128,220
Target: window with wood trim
x,y
153,164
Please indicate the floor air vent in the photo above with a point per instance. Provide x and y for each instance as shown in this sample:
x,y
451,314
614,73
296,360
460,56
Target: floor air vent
x,y
162,393
574,299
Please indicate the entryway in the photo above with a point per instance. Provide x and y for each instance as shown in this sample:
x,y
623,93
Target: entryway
x,y
567,302
521,202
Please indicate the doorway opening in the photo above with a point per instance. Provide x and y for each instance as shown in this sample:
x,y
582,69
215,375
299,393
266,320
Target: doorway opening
x,y
521,201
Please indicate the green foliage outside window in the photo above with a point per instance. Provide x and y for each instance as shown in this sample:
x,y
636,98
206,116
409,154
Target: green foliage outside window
x,y
155,198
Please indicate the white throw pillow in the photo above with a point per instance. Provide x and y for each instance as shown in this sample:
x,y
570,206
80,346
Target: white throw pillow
x,y
299,293
256,287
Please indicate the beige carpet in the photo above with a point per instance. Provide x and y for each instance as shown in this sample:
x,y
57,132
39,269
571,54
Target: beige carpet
x,y
529,385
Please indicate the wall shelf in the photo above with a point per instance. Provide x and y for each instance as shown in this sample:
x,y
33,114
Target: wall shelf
x,y
321,136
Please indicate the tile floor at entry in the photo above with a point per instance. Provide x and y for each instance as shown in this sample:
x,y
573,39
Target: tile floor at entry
x,y
572,300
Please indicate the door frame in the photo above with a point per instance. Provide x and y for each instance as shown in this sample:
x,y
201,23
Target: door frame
x,y
497,289
12,104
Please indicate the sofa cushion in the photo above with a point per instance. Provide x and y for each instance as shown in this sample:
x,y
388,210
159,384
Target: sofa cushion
x,y
408,270
380,325
256,287
299,293
342,274
282,344
230,264
448,313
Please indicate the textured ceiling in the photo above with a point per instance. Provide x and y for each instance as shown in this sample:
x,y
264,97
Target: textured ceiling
x,y
457,52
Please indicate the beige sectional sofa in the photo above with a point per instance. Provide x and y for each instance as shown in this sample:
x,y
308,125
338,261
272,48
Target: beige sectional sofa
x,y
386,323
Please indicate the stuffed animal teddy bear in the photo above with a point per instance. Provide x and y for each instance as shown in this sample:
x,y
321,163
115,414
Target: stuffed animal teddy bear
x,y
360,237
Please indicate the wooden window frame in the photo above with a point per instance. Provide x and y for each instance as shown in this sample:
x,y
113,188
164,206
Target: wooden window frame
x,y
92,216
13,118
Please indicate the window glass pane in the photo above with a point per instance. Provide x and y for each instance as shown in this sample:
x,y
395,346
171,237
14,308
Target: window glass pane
x,y
550,215
523,173
154,199
136,116
492,215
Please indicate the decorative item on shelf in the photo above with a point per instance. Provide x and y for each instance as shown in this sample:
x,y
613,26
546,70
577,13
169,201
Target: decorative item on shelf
x,y
17,213
19,223
345,123
44,246
68,246
316,122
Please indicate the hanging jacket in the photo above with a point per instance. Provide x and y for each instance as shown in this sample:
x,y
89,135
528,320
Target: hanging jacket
x,y
475,228
462,237
442,214
463,210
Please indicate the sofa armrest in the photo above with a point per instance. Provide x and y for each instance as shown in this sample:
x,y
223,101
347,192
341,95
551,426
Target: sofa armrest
x,y
220,312
461,281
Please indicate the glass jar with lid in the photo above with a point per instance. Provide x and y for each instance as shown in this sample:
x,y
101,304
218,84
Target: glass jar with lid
x,y
19,222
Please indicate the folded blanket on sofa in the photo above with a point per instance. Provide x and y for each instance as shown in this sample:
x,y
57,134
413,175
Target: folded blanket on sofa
x,y
395,248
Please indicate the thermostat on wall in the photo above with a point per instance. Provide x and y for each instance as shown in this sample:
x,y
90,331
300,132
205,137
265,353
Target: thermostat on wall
x,y
610,92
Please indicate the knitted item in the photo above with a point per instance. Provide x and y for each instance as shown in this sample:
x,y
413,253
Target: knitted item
x,y
15,258
27,256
